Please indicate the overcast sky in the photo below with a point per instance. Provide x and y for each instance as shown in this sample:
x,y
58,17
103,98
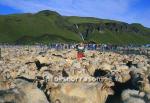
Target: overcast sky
x,y
131,11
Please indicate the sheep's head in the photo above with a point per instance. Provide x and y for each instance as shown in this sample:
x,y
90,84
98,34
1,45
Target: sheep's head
x,y
107,85
144,85
141,82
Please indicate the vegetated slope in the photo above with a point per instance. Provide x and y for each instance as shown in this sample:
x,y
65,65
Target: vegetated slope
x,y
30,27
110,31
48,26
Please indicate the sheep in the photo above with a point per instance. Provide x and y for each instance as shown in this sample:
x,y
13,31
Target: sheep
x,y
12,96
69,92
132,96
121,77
24,92
39,65
2,77
140,81
4,85
144,85
29,90
90,68
17,62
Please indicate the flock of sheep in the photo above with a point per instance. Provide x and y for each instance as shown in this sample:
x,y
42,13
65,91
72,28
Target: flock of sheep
x,y
27,76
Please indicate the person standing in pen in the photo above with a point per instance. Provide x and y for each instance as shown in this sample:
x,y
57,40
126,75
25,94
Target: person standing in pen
x,y
80,51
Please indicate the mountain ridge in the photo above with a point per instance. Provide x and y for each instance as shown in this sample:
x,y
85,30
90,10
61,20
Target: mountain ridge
x,y
68,29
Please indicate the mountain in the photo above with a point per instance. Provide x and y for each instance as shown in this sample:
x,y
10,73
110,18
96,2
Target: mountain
x,y
49,26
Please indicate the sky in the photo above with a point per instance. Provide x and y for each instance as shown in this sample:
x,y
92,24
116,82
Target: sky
x,y
130,11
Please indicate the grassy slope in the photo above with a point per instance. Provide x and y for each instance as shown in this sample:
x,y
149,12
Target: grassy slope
x,y
121,38
113,37
14,27
76,20
51,27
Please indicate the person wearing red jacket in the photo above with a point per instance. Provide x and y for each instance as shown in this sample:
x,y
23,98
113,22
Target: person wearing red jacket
x,y
80,51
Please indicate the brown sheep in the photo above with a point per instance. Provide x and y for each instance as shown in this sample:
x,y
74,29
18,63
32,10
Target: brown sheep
x,y
4,85
82,93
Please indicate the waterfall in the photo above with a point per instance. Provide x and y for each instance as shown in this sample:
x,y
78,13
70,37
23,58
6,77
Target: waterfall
x,y
79,32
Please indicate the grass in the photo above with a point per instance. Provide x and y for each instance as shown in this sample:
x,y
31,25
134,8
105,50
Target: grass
x,y
48,26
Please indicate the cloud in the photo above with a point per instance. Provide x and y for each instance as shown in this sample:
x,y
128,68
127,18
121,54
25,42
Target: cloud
x,y
79,6
107,9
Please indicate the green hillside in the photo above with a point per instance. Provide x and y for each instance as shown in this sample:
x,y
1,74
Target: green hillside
x,y
48,26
